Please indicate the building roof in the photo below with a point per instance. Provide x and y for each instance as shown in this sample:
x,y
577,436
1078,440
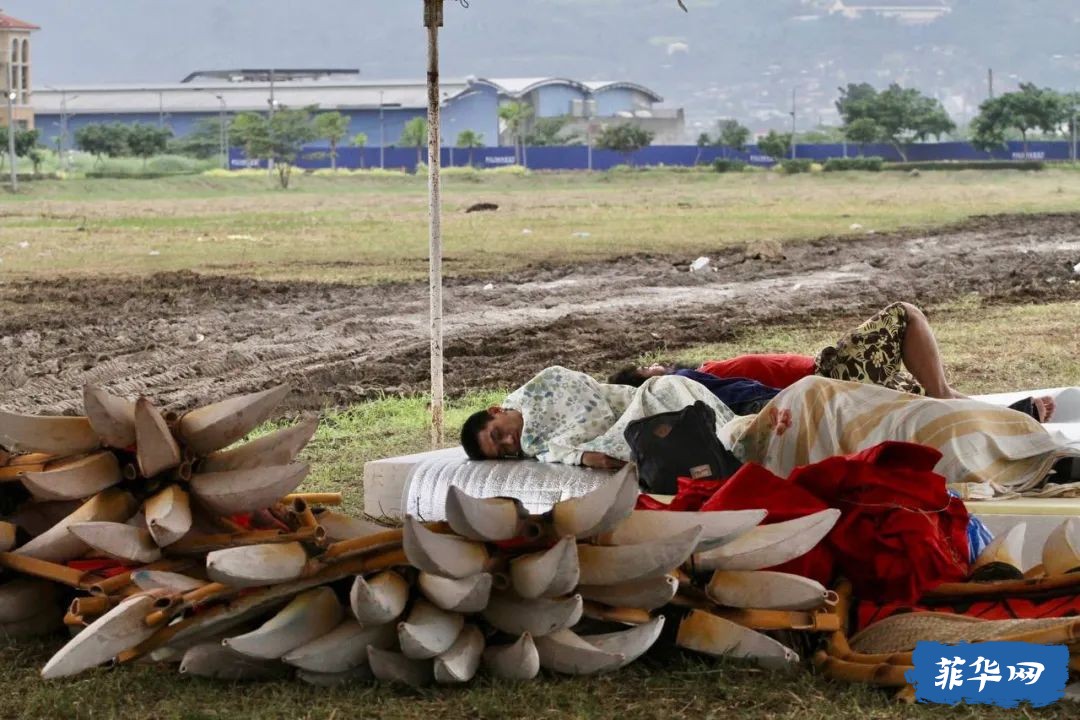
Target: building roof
x,y
202,96
199,93
518,87
9,23
265,74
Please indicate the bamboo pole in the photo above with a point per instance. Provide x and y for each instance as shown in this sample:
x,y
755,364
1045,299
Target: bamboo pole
x,y
42,569
626,616
322,498
433,20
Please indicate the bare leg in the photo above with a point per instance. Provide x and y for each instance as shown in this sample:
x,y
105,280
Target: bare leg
x,y
921,356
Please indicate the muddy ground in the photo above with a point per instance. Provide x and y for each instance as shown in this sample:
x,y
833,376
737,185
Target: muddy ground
x,y
182,337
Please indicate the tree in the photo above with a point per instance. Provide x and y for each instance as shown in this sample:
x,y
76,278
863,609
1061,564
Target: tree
x,y
902,115
332,127
470,139
514,114
548,131
862,131
252,132
26,146
101,140
1028,109
203,142
288,131
624,138
776,145
703,141
360,141
732,135
146,141
415,135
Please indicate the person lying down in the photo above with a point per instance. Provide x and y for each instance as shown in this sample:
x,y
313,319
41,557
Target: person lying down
x,y
564,416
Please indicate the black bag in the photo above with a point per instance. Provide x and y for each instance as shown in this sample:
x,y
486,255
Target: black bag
x,y
678,444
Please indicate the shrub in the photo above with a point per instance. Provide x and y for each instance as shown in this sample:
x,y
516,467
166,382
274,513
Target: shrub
x,y
722,165
865,164
969,165
793,167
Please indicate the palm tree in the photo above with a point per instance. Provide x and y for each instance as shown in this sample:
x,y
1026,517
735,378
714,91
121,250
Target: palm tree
x,y
415,135
514,114
470,139
333,127
360,141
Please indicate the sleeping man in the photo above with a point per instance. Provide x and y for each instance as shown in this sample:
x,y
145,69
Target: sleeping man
x,y
563,416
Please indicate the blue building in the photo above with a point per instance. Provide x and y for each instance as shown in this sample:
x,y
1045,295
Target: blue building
x,y
380,109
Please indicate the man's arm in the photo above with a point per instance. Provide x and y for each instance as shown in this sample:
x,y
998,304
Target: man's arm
x,y
601,461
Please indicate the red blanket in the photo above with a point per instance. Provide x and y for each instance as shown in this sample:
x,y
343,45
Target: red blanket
x,y
900,532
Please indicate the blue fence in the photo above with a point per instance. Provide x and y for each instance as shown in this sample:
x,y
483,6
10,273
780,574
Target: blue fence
x,y
577,157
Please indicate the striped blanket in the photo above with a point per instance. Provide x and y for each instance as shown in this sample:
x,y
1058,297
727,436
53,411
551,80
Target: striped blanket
x,y
987,451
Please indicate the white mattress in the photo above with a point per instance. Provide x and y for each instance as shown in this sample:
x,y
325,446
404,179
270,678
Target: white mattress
x,y
537,485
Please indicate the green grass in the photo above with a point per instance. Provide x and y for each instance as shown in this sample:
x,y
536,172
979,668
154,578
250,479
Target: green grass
x,y
362,228
985,348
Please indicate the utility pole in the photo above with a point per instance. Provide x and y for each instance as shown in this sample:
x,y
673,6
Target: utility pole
x,y
161,109
223,133
588,128
11,126
433,20
1072,145
792,123
382,134
990,81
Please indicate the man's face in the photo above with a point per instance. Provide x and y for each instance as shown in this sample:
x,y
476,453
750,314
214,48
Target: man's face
x,y
653,370
501,437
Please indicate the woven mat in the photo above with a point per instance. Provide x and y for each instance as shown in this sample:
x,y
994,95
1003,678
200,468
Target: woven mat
x,y
899,633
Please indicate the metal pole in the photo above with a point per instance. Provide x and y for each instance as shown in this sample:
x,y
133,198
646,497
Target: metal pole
x,y
382,134
792,123
990,81
11,127
588,130
433,19
63,131
1072,145
223,133
161,109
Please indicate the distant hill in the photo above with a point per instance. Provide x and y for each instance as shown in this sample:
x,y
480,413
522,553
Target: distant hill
x,y
725,58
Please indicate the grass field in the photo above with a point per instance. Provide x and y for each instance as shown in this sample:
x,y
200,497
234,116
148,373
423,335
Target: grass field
x,y
369,229
358,228
671,684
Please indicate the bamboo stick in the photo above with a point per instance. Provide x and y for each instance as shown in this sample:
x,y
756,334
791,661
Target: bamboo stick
x,y
117,584
882,675
302,512
42,569
780,619
91,606
628,616
322,498
951,591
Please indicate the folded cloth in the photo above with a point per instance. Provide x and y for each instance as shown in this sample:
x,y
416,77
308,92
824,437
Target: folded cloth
x,y
900,532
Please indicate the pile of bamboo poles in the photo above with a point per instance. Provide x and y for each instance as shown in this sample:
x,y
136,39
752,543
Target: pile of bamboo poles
x,y
163,545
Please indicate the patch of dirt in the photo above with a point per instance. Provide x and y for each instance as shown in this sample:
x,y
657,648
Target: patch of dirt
x,y
183,338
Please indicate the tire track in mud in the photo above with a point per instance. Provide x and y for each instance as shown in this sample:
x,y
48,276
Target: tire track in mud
x,y
183,338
